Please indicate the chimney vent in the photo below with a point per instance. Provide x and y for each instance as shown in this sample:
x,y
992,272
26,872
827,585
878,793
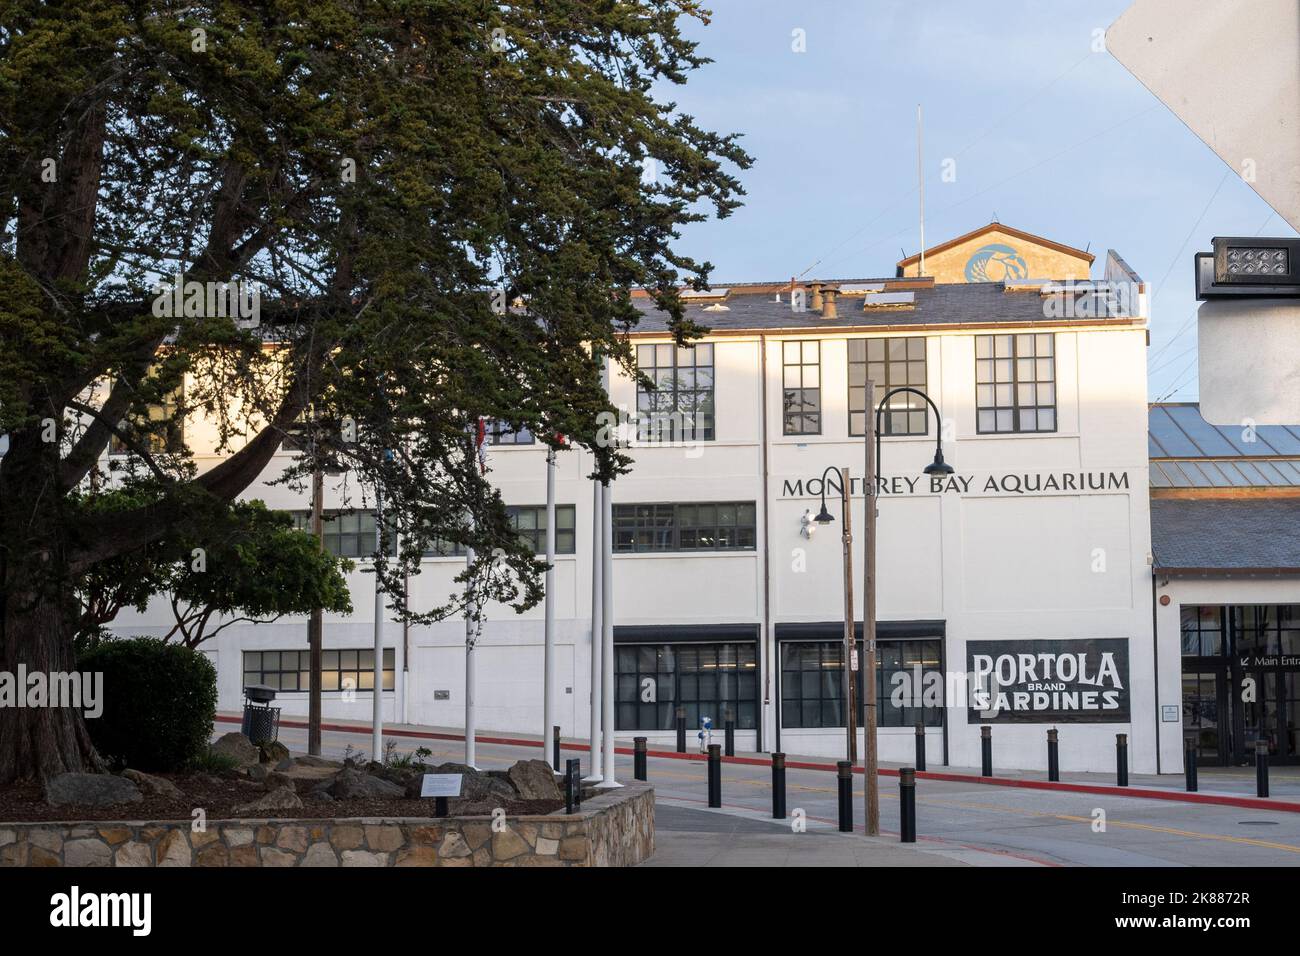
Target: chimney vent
x,y
815,303
828,304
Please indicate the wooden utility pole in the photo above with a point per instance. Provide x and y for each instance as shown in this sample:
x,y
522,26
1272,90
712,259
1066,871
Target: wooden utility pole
x,y
869,617
315,625
850,645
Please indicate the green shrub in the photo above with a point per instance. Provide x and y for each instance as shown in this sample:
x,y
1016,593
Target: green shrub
x,y
159,703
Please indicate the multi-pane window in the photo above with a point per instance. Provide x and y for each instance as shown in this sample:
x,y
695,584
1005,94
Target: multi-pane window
x,y
889,363
1202,629
1268,629
162,431
707,679
812,684
680,406
347,534
1015,383
500,433
530,523
340,670
801,392
703,526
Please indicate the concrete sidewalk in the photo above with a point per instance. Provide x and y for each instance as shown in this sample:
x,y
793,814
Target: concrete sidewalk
x,y
1231,782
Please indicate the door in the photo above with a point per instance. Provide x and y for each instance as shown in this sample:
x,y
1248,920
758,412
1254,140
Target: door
x,y
1271,716
1205,716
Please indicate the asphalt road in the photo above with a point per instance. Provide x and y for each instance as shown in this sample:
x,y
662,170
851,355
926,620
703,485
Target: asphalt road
x,y
958,823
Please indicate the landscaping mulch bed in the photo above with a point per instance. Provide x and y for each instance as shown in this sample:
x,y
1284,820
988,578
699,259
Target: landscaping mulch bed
x,y
219,796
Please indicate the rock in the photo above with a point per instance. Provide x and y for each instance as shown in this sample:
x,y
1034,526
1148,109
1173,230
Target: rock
x,y
281,799
238,747
154,786
319,796
534,780
272,751
479,788
134,854
275,780
90,790
320,854
173,849
258,772
305,776
351,784
307,760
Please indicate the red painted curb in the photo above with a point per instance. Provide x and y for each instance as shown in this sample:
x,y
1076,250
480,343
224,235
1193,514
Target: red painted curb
x,y
1177,796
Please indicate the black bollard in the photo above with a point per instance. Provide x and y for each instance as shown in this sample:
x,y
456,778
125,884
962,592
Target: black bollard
x,y
681,730
920,746
1121,760
1261,768
778,786
715,775
845,773
907,805
638,758
572,785
1189,766
729,733
986,751
1053,757
555,748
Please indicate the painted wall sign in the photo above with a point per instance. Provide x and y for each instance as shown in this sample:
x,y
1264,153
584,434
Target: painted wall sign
x,y
1037,682
994,263
1049,483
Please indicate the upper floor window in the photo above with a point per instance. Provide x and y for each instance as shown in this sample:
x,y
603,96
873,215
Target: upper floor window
x,y
346,534
801,391
680,407
889,363
529,522
1015,383
705,526
340,669
500,433
161,432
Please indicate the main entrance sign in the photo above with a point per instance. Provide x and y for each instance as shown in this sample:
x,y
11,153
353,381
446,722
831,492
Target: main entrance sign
x,y
1038,682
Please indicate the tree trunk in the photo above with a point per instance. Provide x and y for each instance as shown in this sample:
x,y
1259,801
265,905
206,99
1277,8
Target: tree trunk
x,y
40,742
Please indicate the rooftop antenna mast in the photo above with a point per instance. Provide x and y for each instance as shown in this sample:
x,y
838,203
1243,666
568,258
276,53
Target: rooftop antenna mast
x,y
920,178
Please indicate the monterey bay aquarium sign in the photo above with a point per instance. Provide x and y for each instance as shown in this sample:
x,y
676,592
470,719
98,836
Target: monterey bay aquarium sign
x,y
1078,681
1066,482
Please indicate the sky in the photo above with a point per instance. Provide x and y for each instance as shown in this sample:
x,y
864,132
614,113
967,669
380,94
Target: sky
x,y
1041,131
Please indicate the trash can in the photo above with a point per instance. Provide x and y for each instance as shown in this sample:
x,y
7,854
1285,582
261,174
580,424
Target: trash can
x,y
261,720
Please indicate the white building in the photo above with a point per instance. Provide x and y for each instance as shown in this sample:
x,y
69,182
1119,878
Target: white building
x,y
1030,565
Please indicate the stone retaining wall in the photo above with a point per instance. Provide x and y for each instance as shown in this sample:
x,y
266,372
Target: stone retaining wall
x,y
613,829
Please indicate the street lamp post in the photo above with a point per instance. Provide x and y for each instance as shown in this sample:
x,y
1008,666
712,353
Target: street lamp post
x,y
850,655
936,467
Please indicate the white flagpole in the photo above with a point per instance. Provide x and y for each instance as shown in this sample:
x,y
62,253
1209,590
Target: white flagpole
x,y
608,780
597,633
548,652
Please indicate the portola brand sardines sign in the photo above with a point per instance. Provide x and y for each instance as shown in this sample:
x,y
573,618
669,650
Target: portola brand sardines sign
x,y
1037,682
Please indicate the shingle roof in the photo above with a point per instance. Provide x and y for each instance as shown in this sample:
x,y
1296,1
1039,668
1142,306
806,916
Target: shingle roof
x,y
1214,534
976,304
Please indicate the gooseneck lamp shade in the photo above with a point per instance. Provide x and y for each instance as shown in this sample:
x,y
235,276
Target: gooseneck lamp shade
x,y
825,516
938,466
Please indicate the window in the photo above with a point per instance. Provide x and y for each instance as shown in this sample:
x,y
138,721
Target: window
x,y
801,392
500,433
530,522
347,534
1015,383
889,363
162,431
1202,629
706,526
812,684
1268,630
706,679
680,407
340,670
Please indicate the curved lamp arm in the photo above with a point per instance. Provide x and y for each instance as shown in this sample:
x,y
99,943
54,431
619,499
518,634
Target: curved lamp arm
x,y
938,422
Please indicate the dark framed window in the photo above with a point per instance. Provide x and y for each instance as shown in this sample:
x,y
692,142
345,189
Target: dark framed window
x,y
1015,383
889,363
702,526
812,683
1268,629
500,433
1202,631
347,534
162,432
680,406
530,522
340,670
801,387
707,679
